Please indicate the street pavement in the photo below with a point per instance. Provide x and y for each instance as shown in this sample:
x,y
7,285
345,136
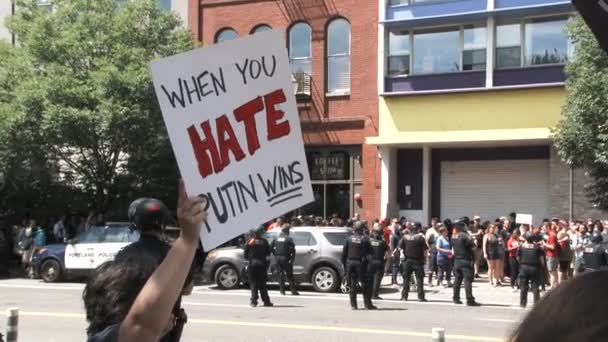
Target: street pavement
x,y
55,312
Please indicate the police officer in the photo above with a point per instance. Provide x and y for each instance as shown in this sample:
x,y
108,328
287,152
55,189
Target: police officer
x,y
596,254
257,251
414,247
462,246
148,217
355,253
378,260
284,250
530,257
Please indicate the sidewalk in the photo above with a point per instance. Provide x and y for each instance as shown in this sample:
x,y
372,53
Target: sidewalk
x,y
483,292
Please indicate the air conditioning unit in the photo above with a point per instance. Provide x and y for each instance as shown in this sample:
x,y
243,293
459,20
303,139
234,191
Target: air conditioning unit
x,y
303,81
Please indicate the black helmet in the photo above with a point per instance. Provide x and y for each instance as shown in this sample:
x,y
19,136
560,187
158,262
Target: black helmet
x,y
259,230
529,237
596,237
148,213
416,227
460,226
359,226
285,228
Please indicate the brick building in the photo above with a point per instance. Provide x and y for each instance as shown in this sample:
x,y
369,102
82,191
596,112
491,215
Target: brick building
x,y
333,48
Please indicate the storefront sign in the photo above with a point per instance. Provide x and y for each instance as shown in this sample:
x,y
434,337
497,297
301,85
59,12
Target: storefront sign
x,y
329,167
235,130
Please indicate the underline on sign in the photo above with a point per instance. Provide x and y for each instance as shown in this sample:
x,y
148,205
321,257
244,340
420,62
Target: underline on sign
x,y
285,199
284,193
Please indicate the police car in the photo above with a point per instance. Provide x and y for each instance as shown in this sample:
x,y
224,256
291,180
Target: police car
x,y
81,255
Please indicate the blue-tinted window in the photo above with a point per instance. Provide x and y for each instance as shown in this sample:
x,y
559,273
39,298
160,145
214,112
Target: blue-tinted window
x,y
436,52
338,56
225,35
300,37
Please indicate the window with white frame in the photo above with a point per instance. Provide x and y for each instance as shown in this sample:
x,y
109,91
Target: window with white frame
x,y
474,47
530,42
225,34
164,4
261,28
438,50
338,56
408,2
398,60
300,37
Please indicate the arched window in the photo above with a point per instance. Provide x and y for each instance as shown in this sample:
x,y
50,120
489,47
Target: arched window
x,y
261,28
225,34
338,56
300,36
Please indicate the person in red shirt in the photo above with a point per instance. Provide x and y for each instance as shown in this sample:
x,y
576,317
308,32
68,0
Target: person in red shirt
x,y
551,253
276,224
512,247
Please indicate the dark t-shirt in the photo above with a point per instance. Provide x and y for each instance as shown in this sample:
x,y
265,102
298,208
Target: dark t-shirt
x,y
109,334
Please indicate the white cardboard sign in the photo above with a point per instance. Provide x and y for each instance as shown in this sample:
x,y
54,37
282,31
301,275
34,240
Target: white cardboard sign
x,y
231,115
523,219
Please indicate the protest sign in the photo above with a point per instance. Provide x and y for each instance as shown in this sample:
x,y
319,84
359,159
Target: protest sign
x,y
231,115
523,219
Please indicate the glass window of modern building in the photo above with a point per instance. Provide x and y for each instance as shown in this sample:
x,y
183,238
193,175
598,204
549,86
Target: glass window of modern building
x,y
300,37
398,60
225,34
546,42
338,56
508,45
474,47
408,2
532,42
436,51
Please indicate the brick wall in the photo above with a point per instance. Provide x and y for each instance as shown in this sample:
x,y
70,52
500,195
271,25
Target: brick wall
x,y
325,120
560,192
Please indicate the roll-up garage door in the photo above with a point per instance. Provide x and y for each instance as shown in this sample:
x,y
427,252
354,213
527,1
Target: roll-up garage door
x,y
495,188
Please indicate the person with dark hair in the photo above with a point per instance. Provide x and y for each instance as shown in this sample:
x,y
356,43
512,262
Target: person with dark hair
x,y
376,264
529,256
136,296
551,250
490,252
575,312
414,247
444,254
512,248
395,253
257,252
284,250
355,253
462,249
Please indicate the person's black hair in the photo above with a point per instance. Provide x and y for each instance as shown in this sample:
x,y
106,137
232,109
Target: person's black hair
x,y
465,219
448,224
546,220
111,291
572,312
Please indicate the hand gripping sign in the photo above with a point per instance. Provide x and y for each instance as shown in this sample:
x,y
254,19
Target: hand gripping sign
x,y
235,130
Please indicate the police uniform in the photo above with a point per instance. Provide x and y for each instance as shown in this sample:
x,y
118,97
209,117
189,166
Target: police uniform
x,y
596,256
413,246
529,256
376,265
355,253
284,250
463,266
257,252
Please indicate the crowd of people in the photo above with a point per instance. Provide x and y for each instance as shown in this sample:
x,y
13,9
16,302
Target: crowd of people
x,y
497,244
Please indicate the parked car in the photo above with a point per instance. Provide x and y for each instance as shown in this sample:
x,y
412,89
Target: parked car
x,y
81,255
317,262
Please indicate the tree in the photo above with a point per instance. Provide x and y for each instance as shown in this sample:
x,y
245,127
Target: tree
x,y
581,137
80,84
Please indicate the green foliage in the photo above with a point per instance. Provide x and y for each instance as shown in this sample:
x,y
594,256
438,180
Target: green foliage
x,y
581,137
77,97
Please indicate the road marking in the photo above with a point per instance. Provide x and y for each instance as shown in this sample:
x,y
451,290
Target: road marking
x,y
216,304
501,320
41,287
500,306
289,326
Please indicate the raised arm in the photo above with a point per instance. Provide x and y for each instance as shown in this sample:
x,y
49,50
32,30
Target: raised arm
x,y
149,314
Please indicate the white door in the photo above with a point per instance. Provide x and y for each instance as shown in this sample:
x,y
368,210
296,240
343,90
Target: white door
x,y
495,188
81,253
